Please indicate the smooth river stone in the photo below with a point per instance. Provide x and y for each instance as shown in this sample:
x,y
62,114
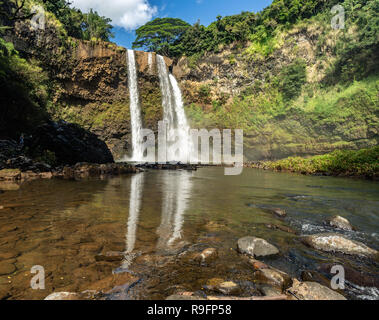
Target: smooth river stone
x,y
340,223
333,242
256,247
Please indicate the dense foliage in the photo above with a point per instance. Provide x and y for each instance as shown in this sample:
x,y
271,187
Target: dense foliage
x,y
85,26
162,35
244,27
24,92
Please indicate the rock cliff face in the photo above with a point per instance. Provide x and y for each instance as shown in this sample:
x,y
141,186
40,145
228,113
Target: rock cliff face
x,y
89,83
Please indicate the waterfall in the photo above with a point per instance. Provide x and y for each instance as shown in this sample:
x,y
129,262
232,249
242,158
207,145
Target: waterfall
x,y
150,62
179,144
135,112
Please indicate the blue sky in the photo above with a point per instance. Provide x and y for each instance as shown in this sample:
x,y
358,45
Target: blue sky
x,y
127,15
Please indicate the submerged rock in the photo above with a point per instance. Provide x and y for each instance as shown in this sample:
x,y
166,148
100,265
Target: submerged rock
x,y
258,265
269,290
333,242
110,256
256,247
339,223
313,291
278,212
177,297
207,256
279,227
229,288
273,277
10,175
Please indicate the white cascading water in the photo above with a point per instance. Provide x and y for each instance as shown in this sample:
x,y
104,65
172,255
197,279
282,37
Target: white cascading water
x,y
135,112
174,115
150,62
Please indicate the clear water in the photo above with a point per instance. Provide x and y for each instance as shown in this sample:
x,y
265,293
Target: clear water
x,y
155,217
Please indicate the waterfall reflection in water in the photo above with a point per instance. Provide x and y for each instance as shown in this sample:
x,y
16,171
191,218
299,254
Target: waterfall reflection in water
x,y
136,193
177,188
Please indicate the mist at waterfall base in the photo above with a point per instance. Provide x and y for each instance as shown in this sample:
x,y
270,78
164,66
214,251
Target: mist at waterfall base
x,y
179,146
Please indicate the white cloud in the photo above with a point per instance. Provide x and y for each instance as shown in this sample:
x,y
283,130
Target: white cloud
x,y
129,14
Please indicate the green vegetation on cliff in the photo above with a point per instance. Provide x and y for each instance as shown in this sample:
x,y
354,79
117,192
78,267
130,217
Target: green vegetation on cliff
x,y
85,26
24,92
363,162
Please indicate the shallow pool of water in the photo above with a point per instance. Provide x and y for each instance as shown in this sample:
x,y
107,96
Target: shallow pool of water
x,y
155,218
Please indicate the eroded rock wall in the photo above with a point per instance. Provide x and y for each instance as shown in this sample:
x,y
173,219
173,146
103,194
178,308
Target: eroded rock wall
x,y
89,82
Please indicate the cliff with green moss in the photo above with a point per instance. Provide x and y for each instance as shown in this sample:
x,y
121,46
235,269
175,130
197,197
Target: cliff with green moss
x,y
294,92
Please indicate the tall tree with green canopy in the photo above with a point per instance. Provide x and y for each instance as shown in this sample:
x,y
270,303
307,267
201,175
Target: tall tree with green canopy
x,y
161,35
97,27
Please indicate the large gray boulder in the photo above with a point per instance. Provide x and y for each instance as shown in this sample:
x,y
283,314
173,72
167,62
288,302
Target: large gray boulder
x,y
313,291
333,242
256,247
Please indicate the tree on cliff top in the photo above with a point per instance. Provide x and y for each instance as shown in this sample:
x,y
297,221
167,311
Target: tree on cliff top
x,y
161,35
97,27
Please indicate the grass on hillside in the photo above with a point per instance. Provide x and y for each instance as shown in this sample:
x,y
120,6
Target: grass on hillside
x,y
363,162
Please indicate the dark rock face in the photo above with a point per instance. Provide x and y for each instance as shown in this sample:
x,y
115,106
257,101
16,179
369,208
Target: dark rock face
x,y
8,149
70,144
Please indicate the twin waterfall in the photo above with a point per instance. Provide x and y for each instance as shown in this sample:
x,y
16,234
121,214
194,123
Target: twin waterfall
x,y
179,144
135,111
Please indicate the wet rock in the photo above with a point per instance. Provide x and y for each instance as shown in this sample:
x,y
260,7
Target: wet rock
x,y
360,278
256,247
10,175
278,212
339,223
313,276
168,166
313,291
46,175
273,277
207,256
258,265
9,185
26,164
269,291
6,268
281,228
229,288
110,256
176,297
115,280
69,143
63,296
332,242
